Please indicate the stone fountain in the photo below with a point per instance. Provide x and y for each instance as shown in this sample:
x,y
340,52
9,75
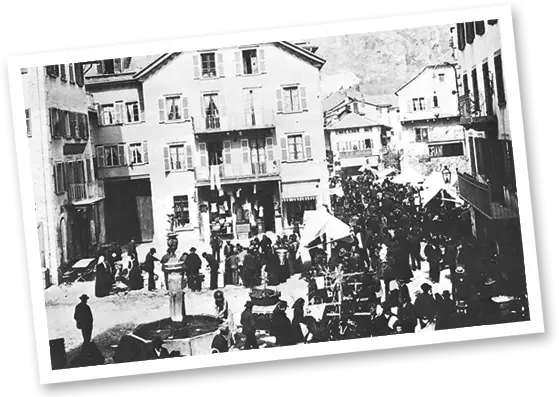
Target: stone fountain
x,y
189,334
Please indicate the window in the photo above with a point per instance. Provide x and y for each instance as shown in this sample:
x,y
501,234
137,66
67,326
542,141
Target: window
x,y
113,156
295,145
441,77
172,108
435,101
176,157
71,73
59,178
53,70
78,72
108,66
210,103
63,72
480,28
421,134
291,99
182,214
28,122
499,81
460,33
109,114
418,104
208,64
470,32
250,62
132,112
136,153
492,22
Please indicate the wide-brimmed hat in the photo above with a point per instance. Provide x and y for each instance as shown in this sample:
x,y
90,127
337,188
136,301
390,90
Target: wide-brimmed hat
x,y
192,249
249,304
84,297
426,287
218,295
460,270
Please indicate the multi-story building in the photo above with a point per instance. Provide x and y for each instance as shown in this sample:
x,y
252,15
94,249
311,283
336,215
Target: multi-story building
x,y
490,185
234,136
429,114
358,129
68,197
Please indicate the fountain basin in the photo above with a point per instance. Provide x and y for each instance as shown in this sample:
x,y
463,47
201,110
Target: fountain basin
x,y
191,337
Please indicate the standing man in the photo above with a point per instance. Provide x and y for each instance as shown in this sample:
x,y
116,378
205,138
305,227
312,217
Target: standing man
x,y
248,321
84,319
216,242
132,252
414,248
149,266
193,266
214,269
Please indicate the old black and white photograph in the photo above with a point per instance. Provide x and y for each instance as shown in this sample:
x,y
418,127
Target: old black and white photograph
x,y
270,194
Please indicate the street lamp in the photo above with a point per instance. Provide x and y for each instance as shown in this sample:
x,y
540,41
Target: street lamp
x,y
446,174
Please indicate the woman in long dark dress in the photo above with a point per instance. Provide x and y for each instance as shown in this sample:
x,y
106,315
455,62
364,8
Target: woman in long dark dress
x,y
103,278
281,325
273,268
298,319
135,277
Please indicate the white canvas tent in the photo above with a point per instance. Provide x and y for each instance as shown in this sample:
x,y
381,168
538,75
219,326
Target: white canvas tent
x,y
321,222
409,176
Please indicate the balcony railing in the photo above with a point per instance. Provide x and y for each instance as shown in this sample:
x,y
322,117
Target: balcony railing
x,y
235,122
356,154
86,191
478,195
475,109
237,171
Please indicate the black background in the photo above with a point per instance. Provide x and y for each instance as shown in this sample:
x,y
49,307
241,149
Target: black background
x,y
81,25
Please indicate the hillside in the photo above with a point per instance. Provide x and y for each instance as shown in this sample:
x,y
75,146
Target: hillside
x,y
384,61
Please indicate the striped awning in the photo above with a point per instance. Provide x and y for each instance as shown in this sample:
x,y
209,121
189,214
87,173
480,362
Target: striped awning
x,y
300,191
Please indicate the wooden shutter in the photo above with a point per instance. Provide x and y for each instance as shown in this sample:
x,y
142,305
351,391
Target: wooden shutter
x,y
185,114
203,154
28,121
245,150
238,63
72,122
480,28
220,68
86,126
100,156
227,152
65,123
222,107
196,62
166,158
131,154
99,109
78,71
270,148
428,105
261,61
279,98
203,110
470,32
100,67
118,65
303,96
145,151
189,162
284,151
62,72
55,177
307,144
161,106
122,155
410,106
119,112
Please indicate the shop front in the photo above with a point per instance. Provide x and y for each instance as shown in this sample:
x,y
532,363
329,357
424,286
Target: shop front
x,y
297,198
238,211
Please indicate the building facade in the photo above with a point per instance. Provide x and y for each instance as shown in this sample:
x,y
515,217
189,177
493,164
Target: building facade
x,y
68,196
234,137
490,184
430,118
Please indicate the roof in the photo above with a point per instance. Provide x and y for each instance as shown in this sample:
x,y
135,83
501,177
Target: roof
x,y
333,100
442,65
337,98
354,120
110,78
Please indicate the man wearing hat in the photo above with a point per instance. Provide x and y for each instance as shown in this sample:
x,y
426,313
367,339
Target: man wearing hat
x,y
193,266
149,266
248,321
425,306
220,342
84,319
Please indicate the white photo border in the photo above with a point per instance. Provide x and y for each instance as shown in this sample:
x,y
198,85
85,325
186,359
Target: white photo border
x,y
535,325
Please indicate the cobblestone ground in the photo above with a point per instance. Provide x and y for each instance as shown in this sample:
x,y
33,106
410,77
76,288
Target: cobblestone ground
x,y
116,315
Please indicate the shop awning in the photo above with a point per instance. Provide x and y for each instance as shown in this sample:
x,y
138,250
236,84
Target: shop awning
x,y
299,191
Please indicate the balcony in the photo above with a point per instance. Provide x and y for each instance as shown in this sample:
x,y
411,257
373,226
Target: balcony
x,y
476,112
363,153
478,195
264,119
238,172
86,193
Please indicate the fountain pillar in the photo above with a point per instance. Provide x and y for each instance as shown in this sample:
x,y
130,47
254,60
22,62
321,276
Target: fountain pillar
x,y
176,281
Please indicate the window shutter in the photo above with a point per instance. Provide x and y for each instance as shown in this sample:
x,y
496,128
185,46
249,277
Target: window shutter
x,y
203,109
99,109
65,124
100,156
284,152
72,121
261,61
130,154
470,32
227,152
54,176
62,72
185,114
196,61
245,149
220,69
100,67
145,151
118,65
161,106
28,121
119,112
428,105
189,162
203,154
238,63
86,126
480,28
121,155
303,96
270,148
279,98
78,71
222,107
410,106
308,149
166,158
